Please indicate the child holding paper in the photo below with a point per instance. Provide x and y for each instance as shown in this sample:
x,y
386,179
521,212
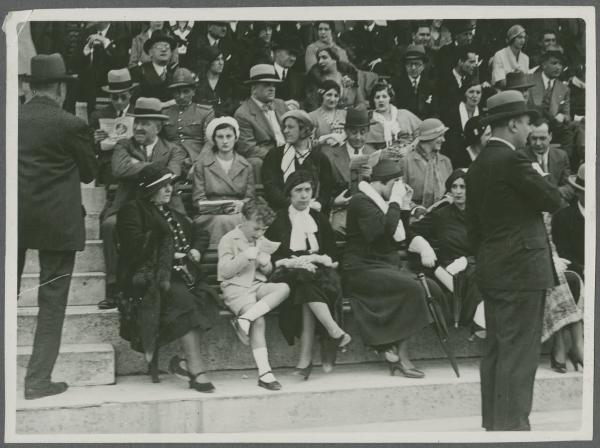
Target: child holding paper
x,y
244,264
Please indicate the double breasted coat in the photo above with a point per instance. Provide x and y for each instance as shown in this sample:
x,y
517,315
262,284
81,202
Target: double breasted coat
x,y
56,154
560,99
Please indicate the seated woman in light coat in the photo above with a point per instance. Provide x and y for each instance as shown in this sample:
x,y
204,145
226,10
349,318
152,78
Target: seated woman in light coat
x,y
221,174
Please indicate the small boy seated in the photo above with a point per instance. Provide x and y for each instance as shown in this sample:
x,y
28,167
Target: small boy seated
x,y
244,263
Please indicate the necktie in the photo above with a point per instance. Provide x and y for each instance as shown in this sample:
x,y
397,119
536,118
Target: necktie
x,y
163,75
547,96
414,85
543,163
284,74
356,151
267,107
148,151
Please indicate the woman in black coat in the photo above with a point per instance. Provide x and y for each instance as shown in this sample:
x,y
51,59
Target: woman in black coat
x,y
305,260
215,87
164,297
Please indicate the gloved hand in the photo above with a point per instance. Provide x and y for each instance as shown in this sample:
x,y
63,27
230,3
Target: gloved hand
x,y
458,265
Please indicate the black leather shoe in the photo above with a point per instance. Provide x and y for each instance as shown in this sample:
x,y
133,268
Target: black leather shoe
x,y
207,387
107,304
44,390
408,372
304,372
175,368
558,367
273,385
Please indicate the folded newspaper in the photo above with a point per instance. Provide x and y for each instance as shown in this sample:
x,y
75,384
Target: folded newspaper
x,y
267,246
218,207
117,129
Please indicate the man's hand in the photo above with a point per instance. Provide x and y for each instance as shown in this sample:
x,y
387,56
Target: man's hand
x,y
251,253
194,254
561,264
428,258
341,200
560,117
100,135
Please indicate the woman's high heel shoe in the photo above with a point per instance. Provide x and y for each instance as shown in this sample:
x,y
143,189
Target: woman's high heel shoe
x,y
207,387
575,361
303,372
343,341
559,367
408,372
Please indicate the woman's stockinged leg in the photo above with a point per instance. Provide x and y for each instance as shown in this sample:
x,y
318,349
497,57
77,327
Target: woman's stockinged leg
x,y
558,348
307,338
403,354
322,313
191,346
576,330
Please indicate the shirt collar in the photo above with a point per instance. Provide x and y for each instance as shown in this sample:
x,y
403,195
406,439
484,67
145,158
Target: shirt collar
x,y
509,144
279,69
546,80
457,76
211,40
350,150
159,68
417,79
151,145
259,103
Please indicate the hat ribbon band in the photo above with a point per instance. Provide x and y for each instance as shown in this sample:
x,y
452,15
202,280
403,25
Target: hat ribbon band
x,y
120,85
508,107
142,111
263,76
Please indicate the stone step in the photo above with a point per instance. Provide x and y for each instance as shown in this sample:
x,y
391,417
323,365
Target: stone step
x,y
221,350
363,393
91,259
92,226
87,288
93,199
77,364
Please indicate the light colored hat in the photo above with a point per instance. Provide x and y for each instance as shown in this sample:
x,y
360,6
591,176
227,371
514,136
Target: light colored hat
x,y
262,73
119,81
430,129
210,129
513,32
509,103
182,77
578,181
148,108
299,115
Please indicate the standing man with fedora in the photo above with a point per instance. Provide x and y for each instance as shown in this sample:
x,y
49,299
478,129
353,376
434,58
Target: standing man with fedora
x,y
259,117
56,154
130,156
506,195
119,88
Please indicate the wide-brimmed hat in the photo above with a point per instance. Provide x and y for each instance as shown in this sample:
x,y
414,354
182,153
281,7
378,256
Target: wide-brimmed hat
x,y
414,51
578,180
119,81
386,169
553,50
430,129
291,43
518,81
509,103
152,177
182,77
358,118
48,68
262,73
159,36
214,123
148,108
513,32
301,116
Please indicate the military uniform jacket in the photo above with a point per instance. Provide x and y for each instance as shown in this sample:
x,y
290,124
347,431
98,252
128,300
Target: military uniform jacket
x,y
505,200
56,154
187,126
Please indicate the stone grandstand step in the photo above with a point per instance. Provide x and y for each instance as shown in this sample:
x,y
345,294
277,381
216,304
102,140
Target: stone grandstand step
x,y
77,364
92,226
353,394
93,199
91,259
87,288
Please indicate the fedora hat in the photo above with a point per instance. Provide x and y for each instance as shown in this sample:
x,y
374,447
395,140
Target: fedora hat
x,y
578,180
518,81
119,81
386,169
262,73
415,52
513,32
509,103
430,129
148,108
48,68
159,36
182,77
358,118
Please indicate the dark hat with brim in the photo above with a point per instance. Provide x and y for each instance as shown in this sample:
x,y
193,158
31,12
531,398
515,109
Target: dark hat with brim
x,y
262,73
47,68
119,81
152,178
148,108
386,169
577,181
518,81
507,104
415,52
358,118
159,36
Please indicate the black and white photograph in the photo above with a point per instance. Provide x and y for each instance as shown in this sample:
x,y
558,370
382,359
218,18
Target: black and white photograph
x,y
286,224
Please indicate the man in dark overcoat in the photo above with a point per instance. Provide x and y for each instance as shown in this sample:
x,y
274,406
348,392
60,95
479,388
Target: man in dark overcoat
x,y
56,154
506,195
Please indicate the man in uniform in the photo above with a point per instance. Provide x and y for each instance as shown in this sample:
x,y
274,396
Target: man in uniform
x,y
506,195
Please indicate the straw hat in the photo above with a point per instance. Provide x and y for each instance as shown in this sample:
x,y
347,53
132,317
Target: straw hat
x,y
148,108
119,81
182,77
262,73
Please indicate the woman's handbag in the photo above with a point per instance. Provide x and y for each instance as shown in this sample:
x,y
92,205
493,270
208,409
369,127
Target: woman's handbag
x,y
188,271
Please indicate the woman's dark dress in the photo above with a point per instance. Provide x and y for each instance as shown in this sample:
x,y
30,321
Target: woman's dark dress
x,y
322,286
223,98
156,301
388,302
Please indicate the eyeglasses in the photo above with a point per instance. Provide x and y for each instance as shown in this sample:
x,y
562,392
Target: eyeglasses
x,y
119,96
161,46
414,64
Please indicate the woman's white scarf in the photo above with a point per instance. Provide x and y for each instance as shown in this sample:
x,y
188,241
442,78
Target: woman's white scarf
x,y
391,127
464,115
288,162
366,188
304,228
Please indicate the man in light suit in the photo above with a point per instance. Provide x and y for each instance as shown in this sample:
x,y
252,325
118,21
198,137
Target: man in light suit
x,y
259,117
56,154
506,195
129,157
552,160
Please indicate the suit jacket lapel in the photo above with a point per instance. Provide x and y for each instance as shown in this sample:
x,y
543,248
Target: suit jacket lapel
x,y
215,168
258,113
342,162
160,150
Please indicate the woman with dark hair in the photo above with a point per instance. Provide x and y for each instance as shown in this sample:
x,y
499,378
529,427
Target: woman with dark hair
x,y
329,66
329,120
325,32
475,139
305,260
215,87
164,296
223,180
393,127
299,152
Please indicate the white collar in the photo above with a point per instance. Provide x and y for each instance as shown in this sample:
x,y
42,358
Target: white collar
x,y
259,103
350,151
417,79
509,144
159,69
464,115
458,77
547,80
279,69
212,41
472,153
367,189
124,110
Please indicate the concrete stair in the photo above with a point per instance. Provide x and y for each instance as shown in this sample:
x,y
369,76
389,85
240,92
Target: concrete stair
x,y
91,259
77,364
87,288
353,394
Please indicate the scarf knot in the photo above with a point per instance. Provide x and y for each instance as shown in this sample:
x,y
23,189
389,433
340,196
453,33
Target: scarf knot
x,y
304,229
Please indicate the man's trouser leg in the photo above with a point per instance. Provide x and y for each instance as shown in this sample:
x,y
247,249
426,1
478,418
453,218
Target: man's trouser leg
x,y
109,243
56,269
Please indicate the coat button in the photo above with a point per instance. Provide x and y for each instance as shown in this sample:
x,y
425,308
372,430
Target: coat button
x,y
179,128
